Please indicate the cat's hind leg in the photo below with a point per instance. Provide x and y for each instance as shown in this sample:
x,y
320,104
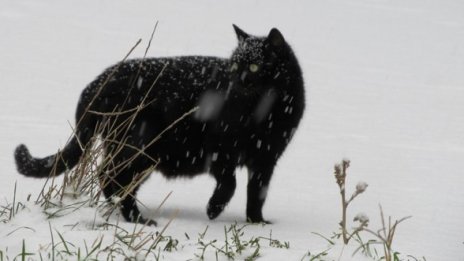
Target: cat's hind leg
x,y
125,184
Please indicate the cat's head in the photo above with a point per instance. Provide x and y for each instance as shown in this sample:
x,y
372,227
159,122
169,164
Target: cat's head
x,y
258,62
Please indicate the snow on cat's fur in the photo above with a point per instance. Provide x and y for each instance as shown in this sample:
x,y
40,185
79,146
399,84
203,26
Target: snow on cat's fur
x,y
249,107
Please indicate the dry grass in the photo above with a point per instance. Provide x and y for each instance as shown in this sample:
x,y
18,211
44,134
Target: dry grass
x,y
82,184
383,236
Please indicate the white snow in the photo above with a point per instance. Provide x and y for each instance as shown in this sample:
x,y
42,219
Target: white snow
x,y
264,105
142,128
210,105
361,218
215,156
50,162
139,82
361,187
385,88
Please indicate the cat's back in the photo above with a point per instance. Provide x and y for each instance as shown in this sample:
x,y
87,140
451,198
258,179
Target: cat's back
x,y
179,79
178,76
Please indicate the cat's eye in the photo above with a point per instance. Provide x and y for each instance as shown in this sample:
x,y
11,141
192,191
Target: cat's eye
x,y
253,68
234,67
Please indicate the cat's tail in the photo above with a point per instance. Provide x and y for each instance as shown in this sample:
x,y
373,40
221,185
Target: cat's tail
x,y
50,165
64,159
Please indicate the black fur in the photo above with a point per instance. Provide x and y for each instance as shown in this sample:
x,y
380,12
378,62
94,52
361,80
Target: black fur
x,y
249,106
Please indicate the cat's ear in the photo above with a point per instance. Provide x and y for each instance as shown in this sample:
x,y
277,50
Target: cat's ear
x,y
276,38
241,35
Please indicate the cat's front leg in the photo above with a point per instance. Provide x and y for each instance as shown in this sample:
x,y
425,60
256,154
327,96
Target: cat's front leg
x,y
225,188
259,176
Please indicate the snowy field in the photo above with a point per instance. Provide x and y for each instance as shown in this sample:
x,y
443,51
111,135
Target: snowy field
x,y
385,88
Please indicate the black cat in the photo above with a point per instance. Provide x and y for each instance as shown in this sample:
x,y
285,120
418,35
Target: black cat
x,y
247,109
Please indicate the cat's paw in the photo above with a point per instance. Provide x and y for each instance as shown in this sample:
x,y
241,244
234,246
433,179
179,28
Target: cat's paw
x,y
213,210
258,220
141,220
146,221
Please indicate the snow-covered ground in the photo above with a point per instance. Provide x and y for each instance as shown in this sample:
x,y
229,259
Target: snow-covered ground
x,y
385,88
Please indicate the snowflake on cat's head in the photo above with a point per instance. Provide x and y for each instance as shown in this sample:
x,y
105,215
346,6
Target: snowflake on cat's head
x,y
250,50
